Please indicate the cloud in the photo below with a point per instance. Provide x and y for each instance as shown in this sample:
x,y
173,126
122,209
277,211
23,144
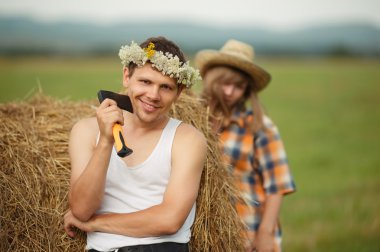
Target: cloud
x,y
270,13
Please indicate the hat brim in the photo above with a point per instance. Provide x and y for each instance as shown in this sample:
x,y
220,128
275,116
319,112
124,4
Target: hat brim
x,y
206,59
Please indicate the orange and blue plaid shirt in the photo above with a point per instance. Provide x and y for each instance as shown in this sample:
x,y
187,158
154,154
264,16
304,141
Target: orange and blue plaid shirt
x,y
259,166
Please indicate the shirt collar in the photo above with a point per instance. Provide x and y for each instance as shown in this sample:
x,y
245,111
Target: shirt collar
x,y
237,117
241,118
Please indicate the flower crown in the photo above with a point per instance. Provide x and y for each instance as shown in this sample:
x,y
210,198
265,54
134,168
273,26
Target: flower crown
x,y
166,63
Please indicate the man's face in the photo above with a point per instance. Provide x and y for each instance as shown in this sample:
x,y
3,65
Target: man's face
x,y
151,93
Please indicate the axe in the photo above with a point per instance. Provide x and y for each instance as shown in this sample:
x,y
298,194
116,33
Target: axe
x,y
123,102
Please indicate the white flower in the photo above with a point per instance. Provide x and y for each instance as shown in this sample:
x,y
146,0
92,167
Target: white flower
x,y
166,63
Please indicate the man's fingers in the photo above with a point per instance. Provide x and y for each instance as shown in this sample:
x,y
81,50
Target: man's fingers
x,y
107,102
108,111
70,232
69,229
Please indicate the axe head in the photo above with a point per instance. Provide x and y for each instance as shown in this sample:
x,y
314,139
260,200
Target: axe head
x,y
123,101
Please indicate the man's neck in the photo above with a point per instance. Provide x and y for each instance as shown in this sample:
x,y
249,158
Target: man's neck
x,y
141,126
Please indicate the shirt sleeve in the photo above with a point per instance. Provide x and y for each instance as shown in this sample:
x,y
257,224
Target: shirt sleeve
x,y
272,160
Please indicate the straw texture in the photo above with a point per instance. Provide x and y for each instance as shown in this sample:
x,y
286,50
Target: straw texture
x,y
35,171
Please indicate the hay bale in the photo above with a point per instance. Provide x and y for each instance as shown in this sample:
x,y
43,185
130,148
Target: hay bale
x,y
35,171
34,175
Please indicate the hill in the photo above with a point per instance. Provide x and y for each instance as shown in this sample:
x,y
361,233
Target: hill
x,y
27,36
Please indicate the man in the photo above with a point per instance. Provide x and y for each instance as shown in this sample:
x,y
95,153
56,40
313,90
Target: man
x,y
145,201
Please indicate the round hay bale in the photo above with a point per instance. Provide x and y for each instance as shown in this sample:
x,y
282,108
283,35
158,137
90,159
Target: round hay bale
x,y
35,172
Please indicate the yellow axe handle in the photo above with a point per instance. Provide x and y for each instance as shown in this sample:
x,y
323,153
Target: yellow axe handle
x,y
121,146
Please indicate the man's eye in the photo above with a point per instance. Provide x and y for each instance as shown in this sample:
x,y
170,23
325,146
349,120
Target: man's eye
x,y
167,87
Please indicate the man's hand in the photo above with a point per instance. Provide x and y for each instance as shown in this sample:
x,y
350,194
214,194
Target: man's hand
x,y
70,223
107,114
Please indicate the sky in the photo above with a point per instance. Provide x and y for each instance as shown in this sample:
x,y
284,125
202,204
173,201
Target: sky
x,y
279,14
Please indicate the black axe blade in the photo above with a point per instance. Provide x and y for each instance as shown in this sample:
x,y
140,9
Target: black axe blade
x,y
123,101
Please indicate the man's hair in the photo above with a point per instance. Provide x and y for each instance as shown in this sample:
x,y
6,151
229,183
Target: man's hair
x,y
161,44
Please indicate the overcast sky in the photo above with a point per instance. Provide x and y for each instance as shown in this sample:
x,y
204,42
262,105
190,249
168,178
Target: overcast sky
x,y
280,14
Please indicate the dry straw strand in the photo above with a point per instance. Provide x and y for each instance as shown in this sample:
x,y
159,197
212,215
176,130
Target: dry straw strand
x,y
35,171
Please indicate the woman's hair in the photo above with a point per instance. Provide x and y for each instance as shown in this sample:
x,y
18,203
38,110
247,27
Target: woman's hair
x,y
212,94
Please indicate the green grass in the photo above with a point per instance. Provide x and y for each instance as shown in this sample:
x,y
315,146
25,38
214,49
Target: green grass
x,y
327,112
69,78
328,115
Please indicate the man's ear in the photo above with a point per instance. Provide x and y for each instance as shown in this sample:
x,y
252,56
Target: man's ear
x,y
125,76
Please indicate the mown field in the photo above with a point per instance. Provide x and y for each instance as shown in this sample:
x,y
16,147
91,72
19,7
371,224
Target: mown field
x,y
329,117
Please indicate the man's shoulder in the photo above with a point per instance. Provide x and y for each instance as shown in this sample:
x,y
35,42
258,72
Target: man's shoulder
x,y
190,144
186,130
187,137
86,125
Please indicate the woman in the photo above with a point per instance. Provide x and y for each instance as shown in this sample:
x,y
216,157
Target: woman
x,y
250,141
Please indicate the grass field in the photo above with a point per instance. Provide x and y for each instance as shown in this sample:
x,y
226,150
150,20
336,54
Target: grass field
x,y
328,114
327,111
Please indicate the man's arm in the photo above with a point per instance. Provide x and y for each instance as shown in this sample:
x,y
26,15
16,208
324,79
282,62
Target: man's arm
x,y
88,169
188,157
89,160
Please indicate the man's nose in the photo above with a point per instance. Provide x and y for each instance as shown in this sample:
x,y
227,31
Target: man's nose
x,y
153,92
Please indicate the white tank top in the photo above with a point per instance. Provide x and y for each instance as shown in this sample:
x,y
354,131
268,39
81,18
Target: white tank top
x,y
130,189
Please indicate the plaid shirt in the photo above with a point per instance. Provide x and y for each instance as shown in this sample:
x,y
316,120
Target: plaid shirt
x,y
259,165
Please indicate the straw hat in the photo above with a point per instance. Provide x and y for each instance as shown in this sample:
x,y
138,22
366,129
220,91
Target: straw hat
x,y
235,54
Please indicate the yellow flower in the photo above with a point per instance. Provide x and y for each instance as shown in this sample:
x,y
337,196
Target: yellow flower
x,y
150,50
